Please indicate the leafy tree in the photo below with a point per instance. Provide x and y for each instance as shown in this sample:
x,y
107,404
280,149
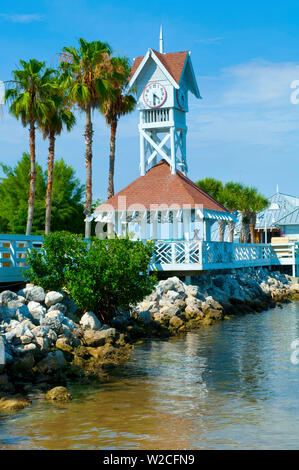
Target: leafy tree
x,y
14,187
30,100
85,73
51,125
117,103
67,209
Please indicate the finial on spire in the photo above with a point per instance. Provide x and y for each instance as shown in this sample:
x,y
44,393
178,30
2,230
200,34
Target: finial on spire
x,y
161,49
277,189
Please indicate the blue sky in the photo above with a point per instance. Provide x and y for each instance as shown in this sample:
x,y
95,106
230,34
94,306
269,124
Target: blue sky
x,y
245,57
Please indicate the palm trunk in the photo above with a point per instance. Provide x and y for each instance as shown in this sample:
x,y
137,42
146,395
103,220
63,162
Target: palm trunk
x,y
88,163
231,230
252,226
245,227
221,228
50,181
112,159
32,179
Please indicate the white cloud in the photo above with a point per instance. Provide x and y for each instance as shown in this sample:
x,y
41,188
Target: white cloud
x,y
247,104
23,18
216,40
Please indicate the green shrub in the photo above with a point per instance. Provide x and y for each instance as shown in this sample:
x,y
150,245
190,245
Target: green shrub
x,y
109,274
100,275
47,267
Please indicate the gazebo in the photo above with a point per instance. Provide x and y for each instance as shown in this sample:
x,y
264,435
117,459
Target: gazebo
x,y
161,206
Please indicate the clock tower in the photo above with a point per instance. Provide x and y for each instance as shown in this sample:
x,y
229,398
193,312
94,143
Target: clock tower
x,y
162,82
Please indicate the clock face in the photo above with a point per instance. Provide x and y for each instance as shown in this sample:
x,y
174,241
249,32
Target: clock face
x,y
181,98
154,95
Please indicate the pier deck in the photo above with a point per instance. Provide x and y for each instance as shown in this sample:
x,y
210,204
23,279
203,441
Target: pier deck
x,y
177,256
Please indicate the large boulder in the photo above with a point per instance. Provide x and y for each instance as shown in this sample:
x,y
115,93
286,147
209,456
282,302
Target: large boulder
x,y
59,306
6,313
144,316
53,320
37,311
58,394
53,298
90,321
169,310
95,338
7,296
53,362
31,292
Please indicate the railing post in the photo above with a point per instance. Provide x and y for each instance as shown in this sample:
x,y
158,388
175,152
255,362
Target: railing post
x,y
294,260
173,252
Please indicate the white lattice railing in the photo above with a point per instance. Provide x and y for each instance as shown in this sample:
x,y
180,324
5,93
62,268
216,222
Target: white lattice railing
x,y
13,249
212,255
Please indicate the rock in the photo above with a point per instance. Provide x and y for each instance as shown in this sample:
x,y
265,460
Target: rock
x,y
90,321
52,362
7,296
41,331
5,385
170,310
15,304
71,306
58,394
192,311
172,295
59,306
37,311
176,322
144,316
43,343
31,292
53,320
95,338
6,313
13,404
24,349
2,355
53,298
294,287
63,344
23,311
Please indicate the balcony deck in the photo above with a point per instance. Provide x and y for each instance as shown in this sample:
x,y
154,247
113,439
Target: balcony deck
x,y
179,256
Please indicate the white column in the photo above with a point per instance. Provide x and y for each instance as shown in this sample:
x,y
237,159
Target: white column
x,y
187,222
143,227
174,225
142,144
153,226
172,149
207,225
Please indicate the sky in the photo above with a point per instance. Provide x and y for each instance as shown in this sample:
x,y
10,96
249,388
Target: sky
x,y
245,56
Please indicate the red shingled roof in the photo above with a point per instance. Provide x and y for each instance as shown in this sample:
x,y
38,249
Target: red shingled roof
x,y
159,187
173,62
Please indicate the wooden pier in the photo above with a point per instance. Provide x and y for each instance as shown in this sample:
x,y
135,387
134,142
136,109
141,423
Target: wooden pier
x,y
173,256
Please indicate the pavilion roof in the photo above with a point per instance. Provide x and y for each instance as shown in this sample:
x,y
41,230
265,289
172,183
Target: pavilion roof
x,y
159,189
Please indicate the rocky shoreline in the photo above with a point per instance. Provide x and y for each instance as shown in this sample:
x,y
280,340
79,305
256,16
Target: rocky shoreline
x,y
46,341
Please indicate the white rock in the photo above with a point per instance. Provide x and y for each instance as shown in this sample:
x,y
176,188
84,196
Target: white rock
x,y
35,293
53,298
6,296
90,321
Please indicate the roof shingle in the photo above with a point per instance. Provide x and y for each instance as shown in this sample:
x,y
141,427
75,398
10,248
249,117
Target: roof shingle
x,y
173,62
160,187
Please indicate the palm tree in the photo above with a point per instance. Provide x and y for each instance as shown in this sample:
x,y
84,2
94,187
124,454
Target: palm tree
x,y
117,103
51,125
231,196
251,202
215,189
30,101
85,72
258,203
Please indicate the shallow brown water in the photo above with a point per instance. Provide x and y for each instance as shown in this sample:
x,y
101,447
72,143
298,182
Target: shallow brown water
x,y
229,386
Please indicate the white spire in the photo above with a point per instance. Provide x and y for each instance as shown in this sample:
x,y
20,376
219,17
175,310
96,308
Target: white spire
x,y
161,49
277,189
